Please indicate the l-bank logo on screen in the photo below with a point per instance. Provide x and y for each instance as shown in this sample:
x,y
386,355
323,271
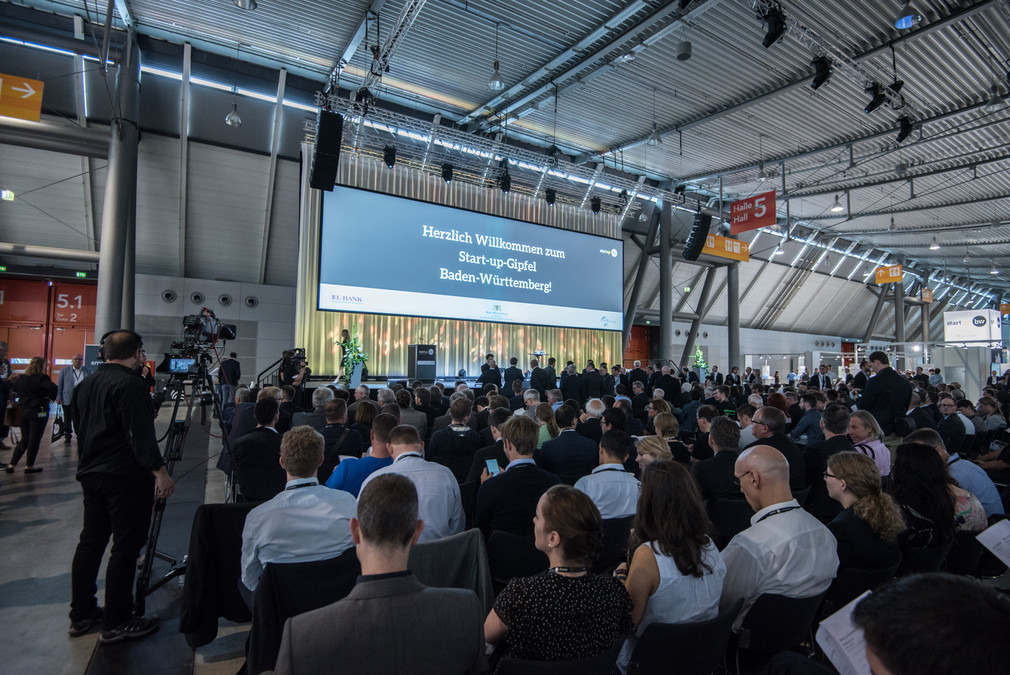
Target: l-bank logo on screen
x,y
347,299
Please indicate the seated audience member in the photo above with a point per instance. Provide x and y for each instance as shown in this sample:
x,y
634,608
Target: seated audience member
x,y
974,424
411,416
517,402
612,489
809,426
363,416
639,400
867,528
633,426
722,402
676,572
589,421
868,438
508,501
260,449
701,448
353,635
744,417
439,504
769,425
288,408
360,394
549,429
931,503
454,446
351,473
568,613
656,406
494,450
317,418
422,404
950,427
835,427
651,449
531,399
239,419
714,476
305,522
939,624
340,439
785,551
989,411
668,428
920,418
968,476
571,455
445,421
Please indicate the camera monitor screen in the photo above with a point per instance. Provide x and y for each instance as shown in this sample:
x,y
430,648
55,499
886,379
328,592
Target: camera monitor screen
x,y
176,365
381,254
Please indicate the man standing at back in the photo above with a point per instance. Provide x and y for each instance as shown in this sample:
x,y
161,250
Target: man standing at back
x,y
121,472
69,378
355,635
228,375
885,396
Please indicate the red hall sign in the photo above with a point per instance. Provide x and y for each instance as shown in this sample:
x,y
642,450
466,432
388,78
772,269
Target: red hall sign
x,y
752,213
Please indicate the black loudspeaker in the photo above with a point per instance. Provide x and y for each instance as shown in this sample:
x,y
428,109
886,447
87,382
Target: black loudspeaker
x,y
696,240
326,157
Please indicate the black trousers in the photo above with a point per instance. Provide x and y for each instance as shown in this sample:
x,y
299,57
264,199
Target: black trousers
x,y
33,428
68,420
118,507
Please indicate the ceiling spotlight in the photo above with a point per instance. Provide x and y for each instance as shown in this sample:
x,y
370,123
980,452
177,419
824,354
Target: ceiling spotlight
x,y
776,21
837,206
935,246
505,182
901,168
684,50
877,98
389,156
232,119
553,152
496,83
907,17
245,4
995,101
761,172
993,269
550,195
822,71
654,138
447,172
595,204
904,127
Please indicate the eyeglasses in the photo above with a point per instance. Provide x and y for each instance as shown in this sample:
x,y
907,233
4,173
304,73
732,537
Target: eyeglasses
x,y
737,479
754,421
828,475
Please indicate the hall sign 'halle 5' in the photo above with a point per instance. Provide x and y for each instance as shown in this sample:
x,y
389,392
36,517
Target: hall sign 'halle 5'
x,y
752,213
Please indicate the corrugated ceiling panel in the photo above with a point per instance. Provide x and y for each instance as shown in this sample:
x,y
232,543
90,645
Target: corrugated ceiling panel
x,y
158,205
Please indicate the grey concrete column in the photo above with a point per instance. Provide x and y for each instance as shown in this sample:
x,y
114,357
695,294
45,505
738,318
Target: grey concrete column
x,y
692,334
666,282
733,315
875,315
122,179
636,290
899,321
130,263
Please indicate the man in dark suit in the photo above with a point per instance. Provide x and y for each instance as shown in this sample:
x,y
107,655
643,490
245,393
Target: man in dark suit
x,y
669,384
921,419
552,373
494,450
257,454
288,408
714,475
512,373
422,403
835,426
571,385
589,421
716,375
636,374
539,379
861,378
733,378
639,400
353,635
769,429
338,438
950,428
688,376
609,381
571,455
508,501
453,447
886,394
317,418
592,382
931,400
634,426
821,379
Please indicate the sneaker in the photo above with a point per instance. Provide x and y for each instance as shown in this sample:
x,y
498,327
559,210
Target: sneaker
x,y
78,628
134,629
66,439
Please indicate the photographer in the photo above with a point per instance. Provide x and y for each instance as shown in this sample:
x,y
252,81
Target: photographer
x,y
294,370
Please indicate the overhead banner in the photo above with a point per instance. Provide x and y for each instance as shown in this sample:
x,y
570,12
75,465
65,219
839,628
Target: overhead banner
x,y
724,247
752,213
983,325
888,275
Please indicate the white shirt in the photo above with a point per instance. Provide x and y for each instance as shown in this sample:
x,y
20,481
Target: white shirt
x,y
306,522
783,552
747,436
438,500
969,428
612,489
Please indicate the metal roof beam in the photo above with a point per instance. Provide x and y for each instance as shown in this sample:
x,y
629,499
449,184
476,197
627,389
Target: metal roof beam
x,y
351,47
912,209
408,15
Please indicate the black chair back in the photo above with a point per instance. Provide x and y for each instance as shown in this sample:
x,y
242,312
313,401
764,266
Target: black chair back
x,y
918,560
852,582
776,623
683,648
603,664
513,555
729,518
964,555
259,485
801,495
615,543
468,500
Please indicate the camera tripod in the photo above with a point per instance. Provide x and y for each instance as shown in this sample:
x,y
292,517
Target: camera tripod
x,y
177,430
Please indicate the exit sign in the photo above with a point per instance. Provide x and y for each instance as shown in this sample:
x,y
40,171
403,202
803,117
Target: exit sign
x,y
82,275
7,195
3,268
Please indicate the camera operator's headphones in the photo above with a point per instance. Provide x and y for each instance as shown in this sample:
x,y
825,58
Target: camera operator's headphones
x,y
101,343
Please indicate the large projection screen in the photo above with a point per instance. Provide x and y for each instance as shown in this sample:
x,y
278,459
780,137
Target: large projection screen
x,y
382,254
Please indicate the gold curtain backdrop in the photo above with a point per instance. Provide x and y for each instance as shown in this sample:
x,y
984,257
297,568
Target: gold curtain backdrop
x,y
460,344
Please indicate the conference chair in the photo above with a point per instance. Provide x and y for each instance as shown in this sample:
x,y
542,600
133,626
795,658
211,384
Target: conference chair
x,y
457,561
602,664
513,555
801,495
683,648
729,518
852,582
774,624
918,560
615,543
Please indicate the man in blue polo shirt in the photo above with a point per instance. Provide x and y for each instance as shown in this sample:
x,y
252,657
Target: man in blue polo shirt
x,y
351,473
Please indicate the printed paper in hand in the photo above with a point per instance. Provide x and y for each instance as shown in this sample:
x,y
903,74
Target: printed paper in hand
x,y
997,540
843,643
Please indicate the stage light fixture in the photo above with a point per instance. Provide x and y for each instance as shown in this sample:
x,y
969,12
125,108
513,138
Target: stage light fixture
x,y
550,195
232,119
496,83
505,182
245,4
654,138
907,17
837,206
389,156
776,21
822,71
877,98
595,204
447,172
993,269
995,101
684,49
905,126
935,246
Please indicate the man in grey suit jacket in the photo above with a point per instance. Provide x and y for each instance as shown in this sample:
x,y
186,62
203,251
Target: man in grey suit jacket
x,y
70,377
355,635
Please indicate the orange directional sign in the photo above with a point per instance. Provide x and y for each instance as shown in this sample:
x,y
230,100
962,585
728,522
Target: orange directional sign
x,y
724,247
927,295
888,275
20,97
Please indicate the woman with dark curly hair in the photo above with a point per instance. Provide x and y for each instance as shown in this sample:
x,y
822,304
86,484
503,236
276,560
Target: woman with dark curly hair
x,y
676,571
568,613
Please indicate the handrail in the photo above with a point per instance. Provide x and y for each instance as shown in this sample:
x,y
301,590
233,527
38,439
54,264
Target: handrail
x,y
275,365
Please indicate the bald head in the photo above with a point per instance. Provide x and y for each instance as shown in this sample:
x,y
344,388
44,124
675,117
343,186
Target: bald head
x,y
763,473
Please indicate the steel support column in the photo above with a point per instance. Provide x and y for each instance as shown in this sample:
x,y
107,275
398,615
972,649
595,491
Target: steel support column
x,y
899,321
692,334
54,137
49,253
120,184
636,290
876,315
733,313
666,282
130,265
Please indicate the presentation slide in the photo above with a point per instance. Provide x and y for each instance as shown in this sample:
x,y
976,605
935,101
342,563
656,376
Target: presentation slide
x,y
389,255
